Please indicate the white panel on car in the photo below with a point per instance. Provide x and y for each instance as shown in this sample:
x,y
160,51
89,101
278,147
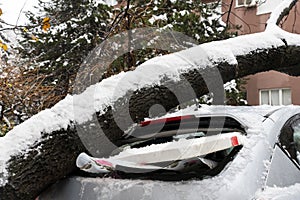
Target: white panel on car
x,y
181,149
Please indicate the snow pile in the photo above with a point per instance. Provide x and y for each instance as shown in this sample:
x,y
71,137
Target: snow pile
x,y
108,2
154,18
276,193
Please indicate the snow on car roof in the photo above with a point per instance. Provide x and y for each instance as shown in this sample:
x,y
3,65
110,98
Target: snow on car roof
x,y
291,192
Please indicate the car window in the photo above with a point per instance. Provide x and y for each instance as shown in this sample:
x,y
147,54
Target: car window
x,y
185,125
290,137
175,130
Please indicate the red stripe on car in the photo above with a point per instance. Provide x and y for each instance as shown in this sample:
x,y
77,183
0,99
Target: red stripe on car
x,y
165,120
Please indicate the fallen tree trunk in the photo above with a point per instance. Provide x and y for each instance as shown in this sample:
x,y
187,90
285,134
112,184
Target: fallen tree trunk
x,y
43,149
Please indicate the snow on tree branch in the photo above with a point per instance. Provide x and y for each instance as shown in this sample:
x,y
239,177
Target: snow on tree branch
x,y
280,12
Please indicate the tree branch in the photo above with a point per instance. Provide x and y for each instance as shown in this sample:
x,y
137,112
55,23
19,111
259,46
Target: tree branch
x,y
282,10
228,15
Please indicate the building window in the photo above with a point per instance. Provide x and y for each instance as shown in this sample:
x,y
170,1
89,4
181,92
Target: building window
x,y
247,3
240,2
275,97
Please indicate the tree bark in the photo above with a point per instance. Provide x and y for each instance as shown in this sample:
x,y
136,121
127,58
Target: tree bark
x,y
53,156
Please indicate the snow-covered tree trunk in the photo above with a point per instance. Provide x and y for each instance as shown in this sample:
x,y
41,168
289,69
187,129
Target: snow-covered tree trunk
x,y
43,149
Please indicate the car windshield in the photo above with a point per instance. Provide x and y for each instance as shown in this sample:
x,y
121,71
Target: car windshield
x,y
178,148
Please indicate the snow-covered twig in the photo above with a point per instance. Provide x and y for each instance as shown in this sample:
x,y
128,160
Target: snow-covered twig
x,y
6,121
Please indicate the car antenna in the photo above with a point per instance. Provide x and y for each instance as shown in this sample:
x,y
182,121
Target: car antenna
x,y
267,116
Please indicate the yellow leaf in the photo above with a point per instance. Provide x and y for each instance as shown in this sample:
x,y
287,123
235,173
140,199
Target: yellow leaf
x,y
46,26
46,19
25,30
1,12
34,38
3,46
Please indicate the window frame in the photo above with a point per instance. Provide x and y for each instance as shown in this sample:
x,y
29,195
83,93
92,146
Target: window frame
x,y
280,90
237,5
286,139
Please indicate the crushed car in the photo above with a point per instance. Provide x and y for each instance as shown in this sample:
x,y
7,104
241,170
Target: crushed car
x,y
212,152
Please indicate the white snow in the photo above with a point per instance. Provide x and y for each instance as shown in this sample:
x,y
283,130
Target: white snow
x,y
277,193
266,6
108,2
278,10
183,12
154,18
231,85
85,37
